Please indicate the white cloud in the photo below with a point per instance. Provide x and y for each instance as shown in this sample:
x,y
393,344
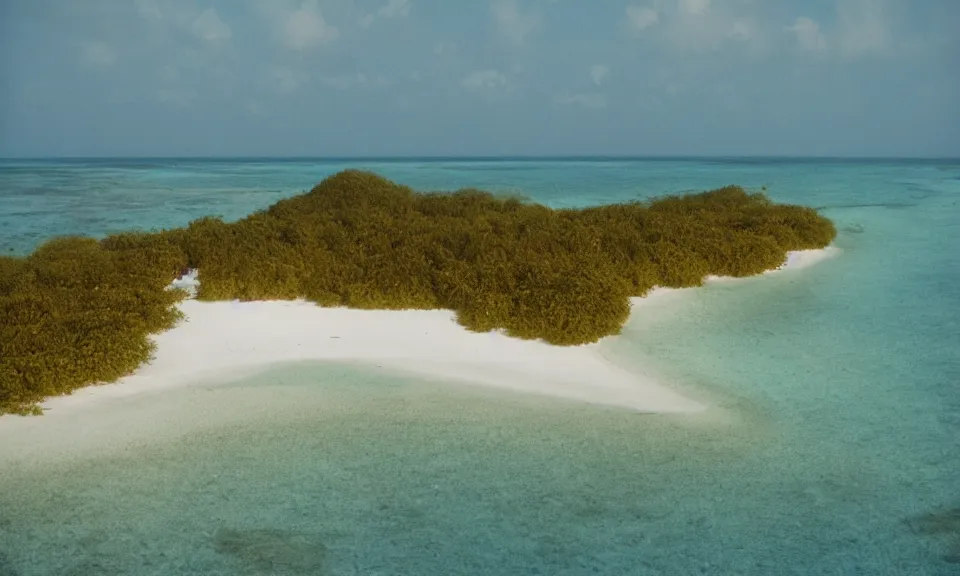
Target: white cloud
x,y
173,22
395,9
698,26
808,35
861,28
210,28
695,7
300,27
484,79
513,25
598,73
98,54
639,18
742,30
592,101
392,9
149,10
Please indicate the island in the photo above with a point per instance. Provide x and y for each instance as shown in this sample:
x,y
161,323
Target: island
x,y
80,311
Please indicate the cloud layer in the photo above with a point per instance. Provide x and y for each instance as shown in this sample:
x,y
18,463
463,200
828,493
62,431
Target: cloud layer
x,y
524,76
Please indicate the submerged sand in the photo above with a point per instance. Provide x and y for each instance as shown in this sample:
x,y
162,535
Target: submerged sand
x,y
223,341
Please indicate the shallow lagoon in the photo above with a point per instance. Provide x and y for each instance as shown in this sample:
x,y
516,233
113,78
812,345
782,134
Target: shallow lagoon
x,y
832,448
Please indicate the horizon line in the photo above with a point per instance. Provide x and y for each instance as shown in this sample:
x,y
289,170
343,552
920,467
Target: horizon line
x,y
480,158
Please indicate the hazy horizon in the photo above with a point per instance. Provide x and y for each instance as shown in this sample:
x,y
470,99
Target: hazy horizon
x,y
490,158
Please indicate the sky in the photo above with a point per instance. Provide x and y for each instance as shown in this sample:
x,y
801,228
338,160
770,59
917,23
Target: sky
x,y
343,78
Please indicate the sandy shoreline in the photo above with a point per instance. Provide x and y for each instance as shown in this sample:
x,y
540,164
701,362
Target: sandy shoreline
x,y
222,341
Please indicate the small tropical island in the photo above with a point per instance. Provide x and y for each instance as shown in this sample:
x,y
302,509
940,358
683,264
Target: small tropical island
x,y
81,311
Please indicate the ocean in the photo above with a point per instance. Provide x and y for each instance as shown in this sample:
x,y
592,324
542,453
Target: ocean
x,y
833,446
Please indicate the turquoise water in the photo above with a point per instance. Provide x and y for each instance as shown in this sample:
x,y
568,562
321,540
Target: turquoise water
x,y
838,449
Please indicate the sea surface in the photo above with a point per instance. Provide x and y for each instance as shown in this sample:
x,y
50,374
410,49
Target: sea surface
x,y
833,446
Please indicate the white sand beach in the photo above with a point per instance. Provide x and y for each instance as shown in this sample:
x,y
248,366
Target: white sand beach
x,y
223,341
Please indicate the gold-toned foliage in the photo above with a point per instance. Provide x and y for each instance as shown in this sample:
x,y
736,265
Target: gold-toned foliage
x,y
75,313
78,311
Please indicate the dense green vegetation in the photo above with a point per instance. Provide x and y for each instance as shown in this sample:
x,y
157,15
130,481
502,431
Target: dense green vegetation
x,y
79,311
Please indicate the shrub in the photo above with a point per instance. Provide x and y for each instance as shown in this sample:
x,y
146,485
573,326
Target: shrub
x,y
75,313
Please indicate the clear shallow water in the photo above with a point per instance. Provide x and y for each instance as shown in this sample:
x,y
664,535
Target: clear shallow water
x,y
839,388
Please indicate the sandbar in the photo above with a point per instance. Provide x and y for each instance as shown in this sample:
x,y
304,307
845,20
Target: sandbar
x,y
224,341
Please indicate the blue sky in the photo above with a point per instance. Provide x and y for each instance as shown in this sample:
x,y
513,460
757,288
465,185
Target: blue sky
x,y
484,77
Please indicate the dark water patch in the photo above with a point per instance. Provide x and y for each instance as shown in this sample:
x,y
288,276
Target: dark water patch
x,y
32,213
919,191
6,567
268,551
98,567
853,229
39,171
52,191
942,524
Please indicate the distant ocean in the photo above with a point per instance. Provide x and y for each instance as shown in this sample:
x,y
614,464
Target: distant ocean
x,y
839,451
